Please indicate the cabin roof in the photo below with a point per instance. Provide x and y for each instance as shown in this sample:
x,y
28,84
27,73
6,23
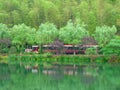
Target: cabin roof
x,y
68,45
35,46
50,46
89,45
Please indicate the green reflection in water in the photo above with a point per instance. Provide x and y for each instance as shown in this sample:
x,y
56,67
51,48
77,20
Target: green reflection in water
x,y
83,77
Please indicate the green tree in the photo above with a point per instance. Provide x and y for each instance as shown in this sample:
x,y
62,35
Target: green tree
x,y
4,31
113,46
34,12
46,34
104,34
72,34
22,35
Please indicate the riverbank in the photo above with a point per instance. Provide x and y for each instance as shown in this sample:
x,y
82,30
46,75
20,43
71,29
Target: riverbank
x,y
57,59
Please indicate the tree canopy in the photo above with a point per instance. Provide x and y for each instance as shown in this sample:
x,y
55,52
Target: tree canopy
x,y
28,22
35,12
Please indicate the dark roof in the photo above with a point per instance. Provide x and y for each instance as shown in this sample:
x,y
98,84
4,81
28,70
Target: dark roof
x,y
89,40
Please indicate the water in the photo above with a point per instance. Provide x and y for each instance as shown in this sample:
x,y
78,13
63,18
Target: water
x,y
60,77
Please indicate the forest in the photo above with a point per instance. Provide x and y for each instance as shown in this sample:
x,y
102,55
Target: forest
x,y
29,22
34,12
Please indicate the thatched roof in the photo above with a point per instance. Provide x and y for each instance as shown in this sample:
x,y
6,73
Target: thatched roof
x,y
89,40
57,43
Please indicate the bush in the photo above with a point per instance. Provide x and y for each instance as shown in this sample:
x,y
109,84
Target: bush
x,y
91,51
47,54
13,50
5,50
112,47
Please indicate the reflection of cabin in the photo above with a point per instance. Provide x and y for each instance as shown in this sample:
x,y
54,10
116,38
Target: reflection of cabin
x,y
63,69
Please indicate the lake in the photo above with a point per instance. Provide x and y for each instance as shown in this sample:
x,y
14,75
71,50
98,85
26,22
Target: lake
x,y
60,77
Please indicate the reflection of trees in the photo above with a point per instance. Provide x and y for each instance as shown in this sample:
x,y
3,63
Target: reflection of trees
x,y
89,74
4,72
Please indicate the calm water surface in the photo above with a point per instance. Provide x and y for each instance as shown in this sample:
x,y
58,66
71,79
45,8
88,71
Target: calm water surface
x,y
60,77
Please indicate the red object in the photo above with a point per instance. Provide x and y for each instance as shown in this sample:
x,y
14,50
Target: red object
x,y
71,49
35,48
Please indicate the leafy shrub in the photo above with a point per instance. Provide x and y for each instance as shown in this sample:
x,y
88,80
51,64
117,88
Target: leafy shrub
x,y
90,51
13,50
47,54
112,47
22,49
104,34
5,50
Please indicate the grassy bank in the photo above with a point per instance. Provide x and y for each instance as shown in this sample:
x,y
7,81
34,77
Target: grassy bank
x,y
60,59
3,58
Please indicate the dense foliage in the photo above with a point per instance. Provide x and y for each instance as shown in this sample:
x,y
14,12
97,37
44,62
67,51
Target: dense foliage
x,y
113,46
28,22
104,34
72,34
34,12
22,36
